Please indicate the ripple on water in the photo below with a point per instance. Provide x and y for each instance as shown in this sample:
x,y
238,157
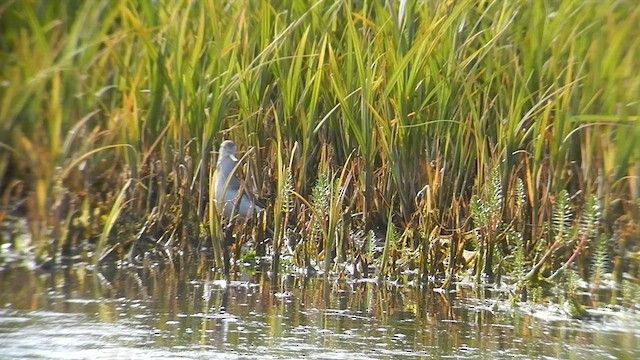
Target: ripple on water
x,y
158,314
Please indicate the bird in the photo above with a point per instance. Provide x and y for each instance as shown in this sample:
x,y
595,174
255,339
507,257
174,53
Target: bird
x,y
232,198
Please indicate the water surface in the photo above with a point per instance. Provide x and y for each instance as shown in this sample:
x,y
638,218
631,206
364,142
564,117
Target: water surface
x,y
187,310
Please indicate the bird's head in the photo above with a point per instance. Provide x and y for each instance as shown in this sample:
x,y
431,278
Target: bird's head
x,y
228,148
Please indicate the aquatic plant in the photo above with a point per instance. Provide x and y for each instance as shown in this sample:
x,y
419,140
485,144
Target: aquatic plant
x,y
492,138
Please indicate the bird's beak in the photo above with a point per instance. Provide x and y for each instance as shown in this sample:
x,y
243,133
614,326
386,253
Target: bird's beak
x,y
233,157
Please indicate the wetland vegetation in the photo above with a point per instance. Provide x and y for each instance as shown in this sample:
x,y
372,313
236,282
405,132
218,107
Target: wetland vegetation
x,y
410,142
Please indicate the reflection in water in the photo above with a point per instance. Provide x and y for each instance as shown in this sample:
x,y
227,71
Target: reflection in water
x,y
186,309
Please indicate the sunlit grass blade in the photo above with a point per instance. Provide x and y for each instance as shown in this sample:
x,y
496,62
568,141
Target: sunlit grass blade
x,y
110,222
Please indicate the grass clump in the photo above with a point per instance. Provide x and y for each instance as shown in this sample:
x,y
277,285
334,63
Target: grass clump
x,y
438,120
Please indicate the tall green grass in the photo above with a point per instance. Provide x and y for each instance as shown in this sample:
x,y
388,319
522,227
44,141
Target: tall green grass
x,y
405,110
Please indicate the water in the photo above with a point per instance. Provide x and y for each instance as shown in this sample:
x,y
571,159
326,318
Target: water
x,y
186,310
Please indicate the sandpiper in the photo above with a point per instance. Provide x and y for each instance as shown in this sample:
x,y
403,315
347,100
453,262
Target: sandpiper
x,y
232,197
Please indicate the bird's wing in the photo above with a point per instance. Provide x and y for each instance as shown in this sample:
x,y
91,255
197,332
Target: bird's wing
x,y
234,184
226,181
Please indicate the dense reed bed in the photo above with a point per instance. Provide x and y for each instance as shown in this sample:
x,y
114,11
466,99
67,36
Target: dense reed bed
x,y
440,137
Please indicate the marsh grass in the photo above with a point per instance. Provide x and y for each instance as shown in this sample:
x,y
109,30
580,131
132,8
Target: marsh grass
x,y
460,126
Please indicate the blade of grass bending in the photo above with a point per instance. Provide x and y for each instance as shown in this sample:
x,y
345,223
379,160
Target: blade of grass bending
x,y
111,220
389,238
214,223
86,155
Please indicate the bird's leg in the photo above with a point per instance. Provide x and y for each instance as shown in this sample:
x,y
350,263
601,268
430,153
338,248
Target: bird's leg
x,y
226,243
